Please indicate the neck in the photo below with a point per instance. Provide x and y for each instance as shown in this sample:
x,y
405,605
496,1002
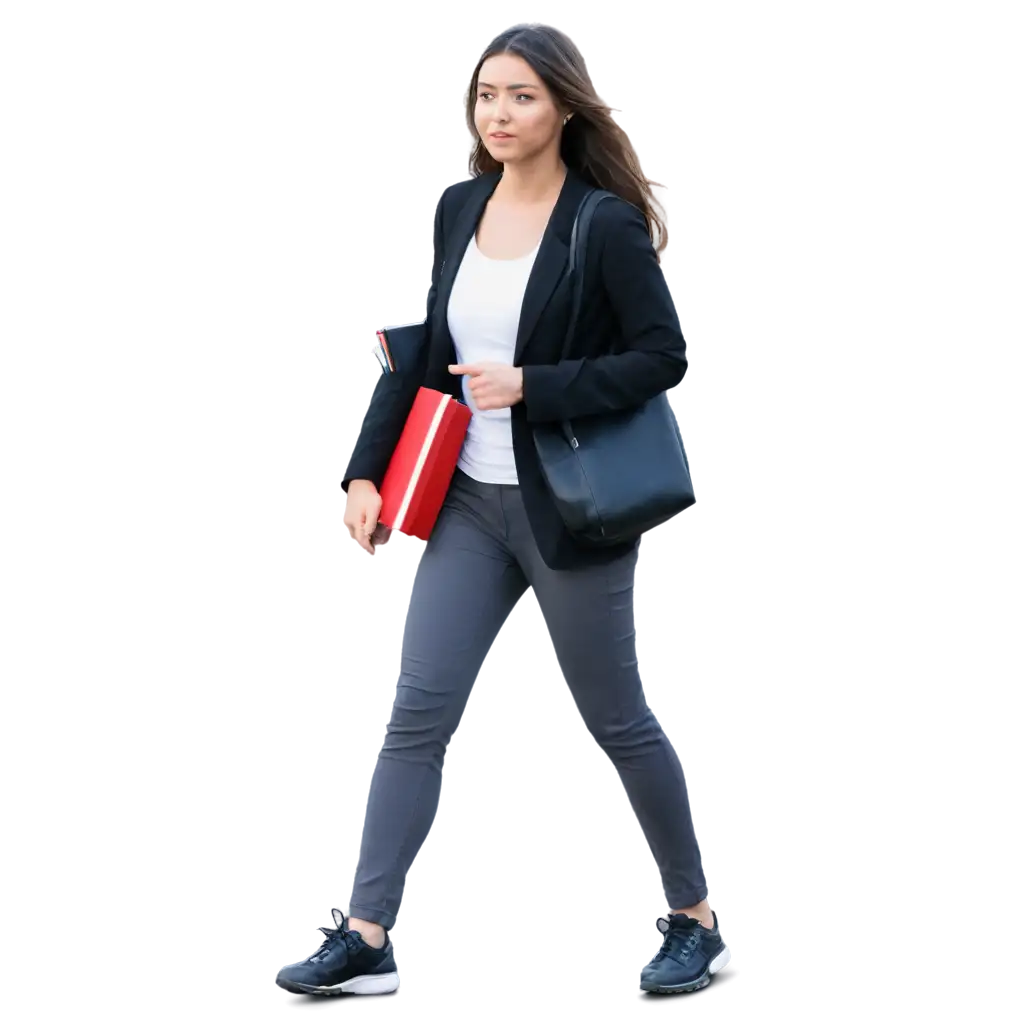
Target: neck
x,y
534,180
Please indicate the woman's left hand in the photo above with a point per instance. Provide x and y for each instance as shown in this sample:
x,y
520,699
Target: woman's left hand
x,y
492,385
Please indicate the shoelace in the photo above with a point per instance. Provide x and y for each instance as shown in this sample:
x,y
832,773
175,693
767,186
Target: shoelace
x,y
681,939
336,935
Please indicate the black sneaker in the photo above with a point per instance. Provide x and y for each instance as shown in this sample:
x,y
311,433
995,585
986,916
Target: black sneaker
x,y
343,963
688,957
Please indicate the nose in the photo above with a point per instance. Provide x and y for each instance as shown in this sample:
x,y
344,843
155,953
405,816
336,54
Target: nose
x,y
501,110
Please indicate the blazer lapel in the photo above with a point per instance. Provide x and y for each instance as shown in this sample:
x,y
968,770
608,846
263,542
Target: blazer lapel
x,y
455,248
548,266
551,260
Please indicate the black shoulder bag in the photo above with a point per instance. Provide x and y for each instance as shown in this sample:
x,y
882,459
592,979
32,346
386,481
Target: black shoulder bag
x,y
613,476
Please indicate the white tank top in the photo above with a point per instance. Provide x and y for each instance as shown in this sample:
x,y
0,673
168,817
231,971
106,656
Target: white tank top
x,y
483,320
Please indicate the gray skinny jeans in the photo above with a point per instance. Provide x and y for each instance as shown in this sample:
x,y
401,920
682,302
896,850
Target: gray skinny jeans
x,y
483,540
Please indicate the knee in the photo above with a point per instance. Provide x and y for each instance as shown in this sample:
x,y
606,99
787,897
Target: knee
x,y
421,723
623,737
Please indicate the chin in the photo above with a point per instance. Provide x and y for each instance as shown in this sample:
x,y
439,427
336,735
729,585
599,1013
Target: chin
x,y
501,155
504,158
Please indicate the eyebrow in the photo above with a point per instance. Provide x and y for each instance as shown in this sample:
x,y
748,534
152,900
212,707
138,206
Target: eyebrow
x,y
518,85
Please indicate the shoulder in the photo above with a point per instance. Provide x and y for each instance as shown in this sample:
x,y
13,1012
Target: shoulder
x,y
455,195
620,240
617,219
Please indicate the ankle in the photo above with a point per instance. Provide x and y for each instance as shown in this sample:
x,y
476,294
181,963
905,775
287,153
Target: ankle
x,y
373,933
701,911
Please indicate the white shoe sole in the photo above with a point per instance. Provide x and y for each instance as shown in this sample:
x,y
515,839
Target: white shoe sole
x,y
363,985
720,961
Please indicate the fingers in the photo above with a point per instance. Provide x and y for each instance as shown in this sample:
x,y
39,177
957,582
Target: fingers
x,y
488,397
480,388
370,522
364,532
362,522
373,544
491,386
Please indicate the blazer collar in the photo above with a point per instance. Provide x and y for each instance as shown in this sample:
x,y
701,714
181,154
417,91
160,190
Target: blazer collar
x,y
549,264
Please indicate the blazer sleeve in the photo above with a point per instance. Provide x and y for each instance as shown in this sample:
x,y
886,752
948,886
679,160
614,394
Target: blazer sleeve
x,y
655,359
393,397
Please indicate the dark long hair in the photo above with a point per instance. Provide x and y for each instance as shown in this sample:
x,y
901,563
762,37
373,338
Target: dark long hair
x,y
593,145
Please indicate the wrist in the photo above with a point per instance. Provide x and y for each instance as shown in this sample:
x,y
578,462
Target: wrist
x,y
361,485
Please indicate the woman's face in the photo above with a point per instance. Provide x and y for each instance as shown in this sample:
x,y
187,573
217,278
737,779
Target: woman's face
x,y
512,100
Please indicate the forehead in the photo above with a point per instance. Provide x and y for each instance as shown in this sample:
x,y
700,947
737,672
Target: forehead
x,y
505,69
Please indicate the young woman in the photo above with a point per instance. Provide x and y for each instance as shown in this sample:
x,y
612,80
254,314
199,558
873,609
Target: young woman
x,y
497,313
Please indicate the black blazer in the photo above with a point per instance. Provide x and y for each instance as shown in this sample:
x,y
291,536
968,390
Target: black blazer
x,y
628,345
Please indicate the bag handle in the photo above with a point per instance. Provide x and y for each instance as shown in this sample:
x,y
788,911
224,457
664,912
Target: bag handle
x,y
577,264
578,256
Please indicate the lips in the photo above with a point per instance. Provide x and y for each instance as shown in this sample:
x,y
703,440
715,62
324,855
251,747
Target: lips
x,y
500,135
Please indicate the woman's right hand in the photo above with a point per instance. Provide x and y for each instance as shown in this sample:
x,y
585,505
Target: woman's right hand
x,y
361,512
358,520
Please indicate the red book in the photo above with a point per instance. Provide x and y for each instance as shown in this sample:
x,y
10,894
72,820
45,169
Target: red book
x,y
421,468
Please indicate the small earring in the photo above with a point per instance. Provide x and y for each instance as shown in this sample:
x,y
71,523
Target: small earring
x,y
566,121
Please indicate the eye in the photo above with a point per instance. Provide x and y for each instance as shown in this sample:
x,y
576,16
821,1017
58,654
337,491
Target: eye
x,y
483,95
524,95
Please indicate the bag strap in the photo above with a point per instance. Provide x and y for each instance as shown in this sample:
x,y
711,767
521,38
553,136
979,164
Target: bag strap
x,y
578,256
